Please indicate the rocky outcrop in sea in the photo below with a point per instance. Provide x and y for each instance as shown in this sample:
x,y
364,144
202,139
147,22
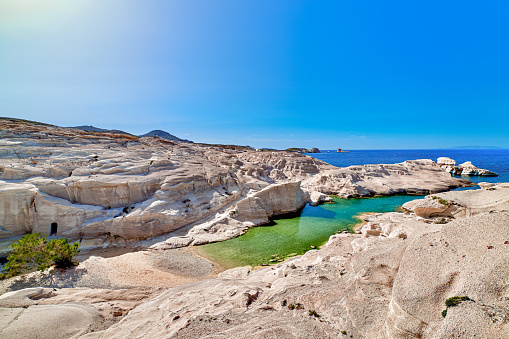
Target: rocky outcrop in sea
x,y
466,168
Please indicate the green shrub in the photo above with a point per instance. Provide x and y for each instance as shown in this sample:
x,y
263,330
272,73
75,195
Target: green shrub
x,y
443,201
313,313
454,301
440,200
35,252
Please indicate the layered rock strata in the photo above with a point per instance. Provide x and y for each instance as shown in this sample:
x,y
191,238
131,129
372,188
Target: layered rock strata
x,y
89,184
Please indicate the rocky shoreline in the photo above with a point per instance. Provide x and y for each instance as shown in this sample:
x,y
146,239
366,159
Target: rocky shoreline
x,y
105,188
115,192
389,281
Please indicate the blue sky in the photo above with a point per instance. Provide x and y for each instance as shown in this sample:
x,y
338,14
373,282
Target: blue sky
x,y
349,74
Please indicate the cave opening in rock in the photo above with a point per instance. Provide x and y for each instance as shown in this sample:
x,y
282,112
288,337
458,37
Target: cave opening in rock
x,y
54,227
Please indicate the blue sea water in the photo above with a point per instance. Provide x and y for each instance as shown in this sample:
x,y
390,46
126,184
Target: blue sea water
x,y
495,160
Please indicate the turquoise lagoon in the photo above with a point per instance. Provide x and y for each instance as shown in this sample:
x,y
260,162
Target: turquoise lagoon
x,y
285,237
315,225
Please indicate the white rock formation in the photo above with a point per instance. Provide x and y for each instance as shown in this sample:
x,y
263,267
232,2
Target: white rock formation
x,y
466,168
414,177
469,169
316,198
392,284
390,281
63,313
446,161
486,185
90,185
255,209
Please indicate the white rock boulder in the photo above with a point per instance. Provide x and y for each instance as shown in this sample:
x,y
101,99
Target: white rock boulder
x,y
446,161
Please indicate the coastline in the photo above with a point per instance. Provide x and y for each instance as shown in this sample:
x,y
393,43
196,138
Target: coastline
x,y
316,280
180,195
363,220
371,273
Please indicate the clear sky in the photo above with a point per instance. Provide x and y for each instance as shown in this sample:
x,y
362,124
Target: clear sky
x,y
267,73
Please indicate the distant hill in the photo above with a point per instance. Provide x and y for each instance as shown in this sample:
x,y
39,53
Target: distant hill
x,y
154,133
101,130
164,135
91,128
26,121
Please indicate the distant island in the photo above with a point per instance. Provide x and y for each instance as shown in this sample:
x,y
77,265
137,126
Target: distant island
x,y
477,147
311,150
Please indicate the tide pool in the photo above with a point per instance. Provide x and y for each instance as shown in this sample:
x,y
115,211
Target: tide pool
x,y
285,237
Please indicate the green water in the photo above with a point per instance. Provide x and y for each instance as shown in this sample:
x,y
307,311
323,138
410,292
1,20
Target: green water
x,y
296,235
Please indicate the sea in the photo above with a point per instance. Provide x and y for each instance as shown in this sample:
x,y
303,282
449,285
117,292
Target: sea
x,y
312,227
495,160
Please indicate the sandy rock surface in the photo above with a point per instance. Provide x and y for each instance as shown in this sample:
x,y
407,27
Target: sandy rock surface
x,y
364,285
65,313
97,293
154,268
